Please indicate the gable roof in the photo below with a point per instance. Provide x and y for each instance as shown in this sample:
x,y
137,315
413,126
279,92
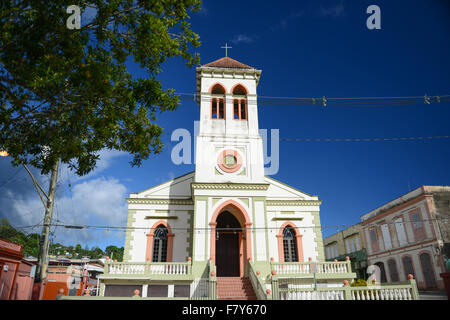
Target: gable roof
x,y
280,190
227,62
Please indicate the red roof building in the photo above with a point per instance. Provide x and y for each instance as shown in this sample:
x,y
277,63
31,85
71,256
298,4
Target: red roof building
x,y
227,62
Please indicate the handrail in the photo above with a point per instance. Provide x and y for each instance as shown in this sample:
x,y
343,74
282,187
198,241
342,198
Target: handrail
x,y
257,283
212,280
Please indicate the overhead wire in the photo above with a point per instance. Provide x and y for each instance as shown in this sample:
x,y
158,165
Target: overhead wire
x,y
340,226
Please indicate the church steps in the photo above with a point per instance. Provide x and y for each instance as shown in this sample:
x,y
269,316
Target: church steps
x,y
235,288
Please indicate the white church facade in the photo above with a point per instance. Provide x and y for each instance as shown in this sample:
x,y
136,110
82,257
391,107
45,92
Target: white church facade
x,y
225,230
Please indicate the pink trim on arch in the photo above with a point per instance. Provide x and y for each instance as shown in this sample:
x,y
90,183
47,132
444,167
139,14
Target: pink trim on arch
x,y
217,83
243,218
150,235
239,84
298,237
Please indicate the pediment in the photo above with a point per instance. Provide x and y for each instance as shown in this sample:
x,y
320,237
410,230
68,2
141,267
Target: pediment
x,y
280,191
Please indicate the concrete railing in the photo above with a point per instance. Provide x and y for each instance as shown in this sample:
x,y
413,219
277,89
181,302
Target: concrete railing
x,y
147,268
212,280
401,291
309,268
257,283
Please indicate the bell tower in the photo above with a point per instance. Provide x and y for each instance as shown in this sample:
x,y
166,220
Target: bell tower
x,y
229,147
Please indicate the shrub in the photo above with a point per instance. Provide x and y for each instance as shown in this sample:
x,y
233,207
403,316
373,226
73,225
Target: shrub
x,y
359,283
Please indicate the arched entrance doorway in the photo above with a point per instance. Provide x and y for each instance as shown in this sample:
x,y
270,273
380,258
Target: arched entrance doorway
x,y
228,245
230,239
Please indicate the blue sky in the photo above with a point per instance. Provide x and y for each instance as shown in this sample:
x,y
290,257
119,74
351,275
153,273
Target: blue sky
x,y
304,49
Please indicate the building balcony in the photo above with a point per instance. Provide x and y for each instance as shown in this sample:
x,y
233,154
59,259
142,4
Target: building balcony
x,y
310,269
148,270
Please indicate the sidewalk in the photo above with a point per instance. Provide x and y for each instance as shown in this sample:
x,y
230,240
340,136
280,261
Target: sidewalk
x,y
433,295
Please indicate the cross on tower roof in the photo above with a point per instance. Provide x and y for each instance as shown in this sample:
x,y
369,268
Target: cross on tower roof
x,y
226,49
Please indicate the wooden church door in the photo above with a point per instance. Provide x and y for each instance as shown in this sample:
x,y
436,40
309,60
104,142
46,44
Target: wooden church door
x,y
228,246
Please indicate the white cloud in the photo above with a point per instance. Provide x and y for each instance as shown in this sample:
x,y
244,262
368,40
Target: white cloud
x,y
97,202
243,38
103,199
92,201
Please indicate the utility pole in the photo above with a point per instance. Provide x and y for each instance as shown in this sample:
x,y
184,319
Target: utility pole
x,y
41,270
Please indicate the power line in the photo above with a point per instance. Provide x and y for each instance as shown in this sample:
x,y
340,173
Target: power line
x,y
11,178
125,228
362,139
325,102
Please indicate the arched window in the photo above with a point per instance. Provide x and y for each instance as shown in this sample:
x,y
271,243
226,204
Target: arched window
x,y
408,266
289,245
218,102
160,244
427,270
393,270
240,103
382,271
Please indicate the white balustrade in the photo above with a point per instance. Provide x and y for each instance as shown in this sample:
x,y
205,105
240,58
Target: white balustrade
x,y
333,294
171,268
305,267
400,292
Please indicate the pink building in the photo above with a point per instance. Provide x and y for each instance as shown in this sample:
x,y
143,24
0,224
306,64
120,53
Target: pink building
x,y
407,236
16,274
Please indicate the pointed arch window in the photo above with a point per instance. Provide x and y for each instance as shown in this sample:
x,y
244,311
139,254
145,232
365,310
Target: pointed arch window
x,y
289,245
218,102
160,241
240,103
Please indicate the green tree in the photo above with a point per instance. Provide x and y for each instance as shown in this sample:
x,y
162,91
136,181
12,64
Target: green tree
x,y
115,253
66,94
30,243
96,253
69,93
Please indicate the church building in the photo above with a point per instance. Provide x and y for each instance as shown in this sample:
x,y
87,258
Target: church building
x,y
225,230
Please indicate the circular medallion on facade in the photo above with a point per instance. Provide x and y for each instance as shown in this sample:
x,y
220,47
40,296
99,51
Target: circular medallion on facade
x,y
229,161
